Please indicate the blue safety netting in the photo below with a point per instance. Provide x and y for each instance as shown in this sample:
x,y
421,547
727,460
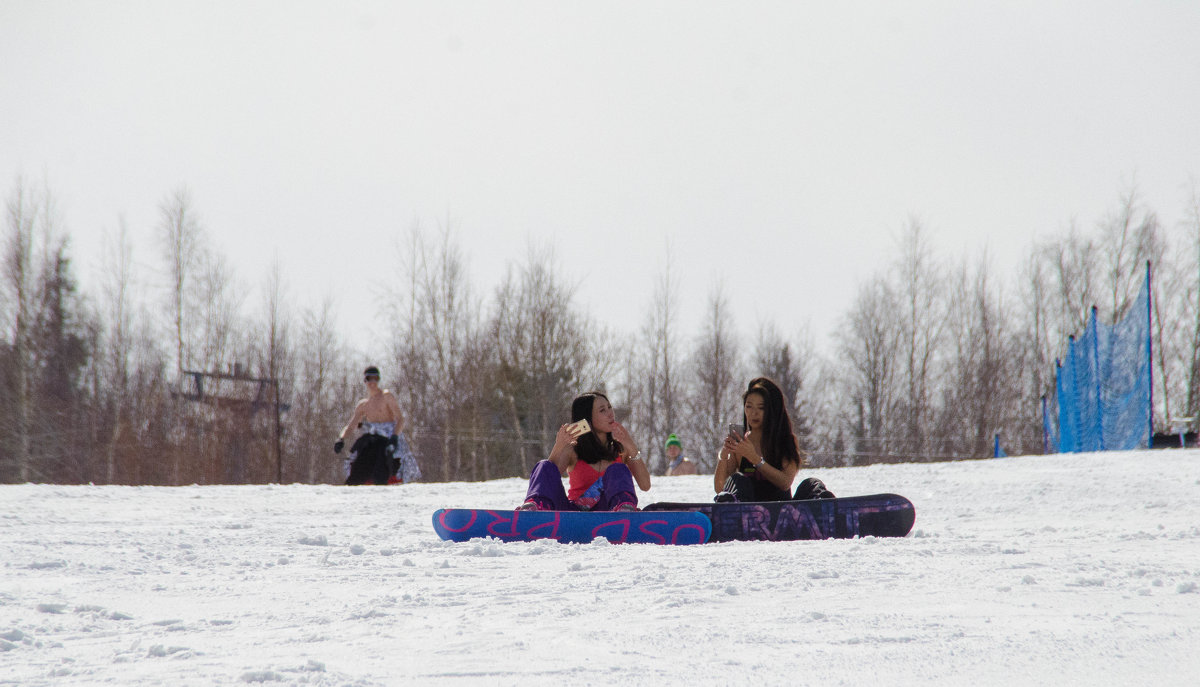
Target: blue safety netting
x,y
1103,387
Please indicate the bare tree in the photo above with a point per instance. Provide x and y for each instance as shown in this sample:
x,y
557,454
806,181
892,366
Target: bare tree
x,y
277,363
221,337
118,313
1130,238
869,345
1190,301
23,211
655,391
1172,325
441,326
829,414
324,389
984,390
787,364
919,291
130,392
1035,294
545,353
1038,347
181,239
1074,263
713,396
205,305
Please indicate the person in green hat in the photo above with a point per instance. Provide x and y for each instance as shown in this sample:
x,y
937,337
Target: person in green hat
x,y
678,464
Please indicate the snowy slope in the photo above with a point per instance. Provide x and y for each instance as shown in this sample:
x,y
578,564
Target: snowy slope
x,y
1034,570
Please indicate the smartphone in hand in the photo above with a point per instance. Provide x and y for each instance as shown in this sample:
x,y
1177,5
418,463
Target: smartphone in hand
x,y
583,426
735,430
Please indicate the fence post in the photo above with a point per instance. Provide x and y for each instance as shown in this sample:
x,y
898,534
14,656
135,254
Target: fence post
x,y
1096,370
1045,427
1149,361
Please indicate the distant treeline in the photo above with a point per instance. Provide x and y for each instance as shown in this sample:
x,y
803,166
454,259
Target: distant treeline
x,y
175,373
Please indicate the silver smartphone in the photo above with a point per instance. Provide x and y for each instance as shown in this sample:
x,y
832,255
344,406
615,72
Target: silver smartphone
x,y
735,430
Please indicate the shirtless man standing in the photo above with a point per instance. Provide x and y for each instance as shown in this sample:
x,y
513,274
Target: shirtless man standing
x,y
679,464
379,417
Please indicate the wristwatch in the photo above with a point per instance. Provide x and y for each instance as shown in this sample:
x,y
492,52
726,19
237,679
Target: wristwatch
x,y
760,462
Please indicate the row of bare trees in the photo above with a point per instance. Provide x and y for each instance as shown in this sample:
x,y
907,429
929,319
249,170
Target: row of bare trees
x,y
177,372
936,358
96,387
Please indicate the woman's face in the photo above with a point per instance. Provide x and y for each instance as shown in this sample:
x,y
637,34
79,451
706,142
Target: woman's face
x,y
755,408
603,415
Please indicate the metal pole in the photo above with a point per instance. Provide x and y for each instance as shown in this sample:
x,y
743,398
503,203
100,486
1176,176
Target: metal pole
x,y
278,436
1150,362
1097,371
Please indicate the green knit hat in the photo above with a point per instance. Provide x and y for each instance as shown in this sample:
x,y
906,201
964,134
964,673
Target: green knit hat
x,y
674,441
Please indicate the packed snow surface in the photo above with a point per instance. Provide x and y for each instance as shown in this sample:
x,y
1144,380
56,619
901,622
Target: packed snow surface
x,y
1080,569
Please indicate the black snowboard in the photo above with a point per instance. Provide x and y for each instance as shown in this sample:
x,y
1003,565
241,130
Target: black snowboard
x,y
878,515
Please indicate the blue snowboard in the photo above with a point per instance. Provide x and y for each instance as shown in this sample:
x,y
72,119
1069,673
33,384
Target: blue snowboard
x,y
878,515
576,527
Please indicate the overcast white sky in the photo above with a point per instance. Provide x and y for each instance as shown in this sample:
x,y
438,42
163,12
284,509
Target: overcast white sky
x,y
780,147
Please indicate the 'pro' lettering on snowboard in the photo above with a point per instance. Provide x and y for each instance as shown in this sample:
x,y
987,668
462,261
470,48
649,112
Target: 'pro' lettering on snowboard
x,y
632,527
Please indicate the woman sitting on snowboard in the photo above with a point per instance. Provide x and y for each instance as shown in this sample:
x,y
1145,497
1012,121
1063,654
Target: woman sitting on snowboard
x,y
602,463
760,463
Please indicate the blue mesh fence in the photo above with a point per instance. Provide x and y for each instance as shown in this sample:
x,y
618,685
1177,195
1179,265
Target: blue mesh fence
x,y
1103,389
1088,388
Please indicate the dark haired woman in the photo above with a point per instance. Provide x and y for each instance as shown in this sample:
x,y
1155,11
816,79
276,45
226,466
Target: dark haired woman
x,y
602,464
760,463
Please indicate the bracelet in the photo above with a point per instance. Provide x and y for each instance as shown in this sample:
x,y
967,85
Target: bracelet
x,y
760,462
633,457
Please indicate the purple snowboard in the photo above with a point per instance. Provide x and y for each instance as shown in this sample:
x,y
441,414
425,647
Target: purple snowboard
x,y
879,515
631,527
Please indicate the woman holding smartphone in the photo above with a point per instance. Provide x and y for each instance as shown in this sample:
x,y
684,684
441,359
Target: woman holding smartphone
x,y
760,462
598,456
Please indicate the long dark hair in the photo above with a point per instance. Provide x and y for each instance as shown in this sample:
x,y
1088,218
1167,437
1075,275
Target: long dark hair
x,y
588,447
778,441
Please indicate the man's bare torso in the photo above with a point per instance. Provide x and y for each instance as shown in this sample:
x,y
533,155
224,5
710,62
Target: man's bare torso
x,y
378,408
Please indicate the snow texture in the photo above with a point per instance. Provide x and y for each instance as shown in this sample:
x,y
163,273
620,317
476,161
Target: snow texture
x,y
1063,570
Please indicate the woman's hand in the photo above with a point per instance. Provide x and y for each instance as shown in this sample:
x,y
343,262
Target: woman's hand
x,y
742,447
565,440
568,435
563,453
727,464
629,449
622,435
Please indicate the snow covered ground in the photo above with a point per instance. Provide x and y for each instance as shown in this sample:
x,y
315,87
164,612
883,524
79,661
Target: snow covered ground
x,y
1035,570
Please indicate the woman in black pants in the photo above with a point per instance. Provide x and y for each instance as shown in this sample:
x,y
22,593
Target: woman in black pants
x,y
761,462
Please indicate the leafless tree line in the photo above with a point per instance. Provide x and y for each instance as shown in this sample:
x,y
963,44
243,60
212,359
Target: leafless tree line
x,y
179,373
935,358
96,386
